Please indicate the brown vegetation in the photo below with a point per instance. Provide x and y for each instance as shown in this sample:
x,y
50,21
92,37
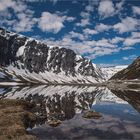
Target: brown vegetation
x,y
14,119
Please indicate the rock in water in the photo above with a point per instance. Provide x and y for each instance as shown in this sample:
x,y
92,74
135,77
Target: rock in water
x,y
92,115
54,123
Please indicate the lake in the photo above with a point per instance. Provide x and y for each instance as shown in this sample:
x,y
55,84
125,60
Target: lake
x,y
62,111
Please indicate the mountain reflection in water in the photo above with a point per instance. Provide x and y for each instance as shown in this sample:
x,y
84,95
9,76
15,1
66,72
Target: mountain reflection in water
x,y
65,106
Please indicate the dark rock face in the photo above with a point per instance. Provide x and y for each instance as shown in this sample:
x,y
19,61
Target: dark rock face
x,y
8,47
32,56
130,73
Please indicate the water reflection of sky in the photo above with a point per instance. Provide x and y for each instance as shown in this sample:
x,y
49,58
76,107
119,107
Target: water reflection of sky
x,y
124,111
108,127
120,111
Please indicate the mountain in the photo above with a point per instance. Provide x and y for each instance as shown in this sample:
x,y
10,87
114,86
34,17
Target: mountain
x,y
24,59
108,72
130,73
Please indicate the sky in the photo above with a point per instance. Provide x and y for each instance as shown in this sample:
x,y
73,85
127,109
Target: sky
x,y
105,31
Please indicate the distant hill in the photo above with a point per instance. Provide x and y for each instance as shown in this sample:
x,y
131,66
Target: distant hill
x,y
132,72
108,72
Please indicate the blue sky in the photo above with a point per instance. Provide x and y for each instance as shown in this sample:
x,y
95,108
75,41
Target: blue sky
x,y
107,32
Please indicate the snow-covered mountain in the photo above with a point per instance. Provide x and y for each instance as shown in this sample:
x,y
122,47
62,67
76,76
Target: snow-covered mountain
x,y
25,59
108,72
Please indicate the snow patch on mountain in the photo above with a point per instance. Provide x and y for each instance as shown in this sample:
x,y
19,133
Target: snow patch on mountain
x,y
21,49
108,72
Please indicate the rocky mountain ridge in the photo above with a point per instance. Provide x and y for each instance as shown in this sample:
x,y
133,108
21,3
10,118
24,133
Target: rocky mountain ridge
x,y
24,59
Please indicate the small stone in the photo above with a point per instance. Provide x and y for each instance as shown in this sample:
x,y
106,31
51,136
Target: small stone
x,y
92,115
54,123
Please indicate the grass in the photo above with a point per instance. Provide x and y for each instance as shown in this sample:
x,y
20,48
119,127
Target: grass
x,y
14,119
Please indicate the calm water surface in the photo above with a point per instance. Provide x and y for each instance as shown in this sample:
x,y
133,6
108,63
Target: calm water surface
x,y
119,110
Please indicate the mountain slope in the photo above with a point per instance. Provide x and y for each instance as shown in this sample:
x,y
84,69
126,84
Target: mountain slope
x,y
25,59
130,73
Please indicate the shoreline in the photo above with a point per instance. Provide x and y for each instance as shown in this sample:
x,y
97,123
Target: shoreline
x,y
50,84
111,84
16,115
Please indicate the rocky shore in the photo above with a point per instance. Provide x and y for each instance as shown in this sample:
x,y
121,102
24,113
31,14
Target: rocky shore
x,y
15,119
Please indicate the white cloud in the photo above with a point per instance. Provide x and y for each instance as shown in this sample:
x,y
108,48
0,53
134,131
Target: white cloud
x,y
127,48
106,8
127,24
119,6
92,4
22,19
116,40
131,41
130,57
136,10
135,35
69,19
102,27
84,14
88,31
83,22
103,51
50,22
89,8
73,34
105,43
4,4
25,23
